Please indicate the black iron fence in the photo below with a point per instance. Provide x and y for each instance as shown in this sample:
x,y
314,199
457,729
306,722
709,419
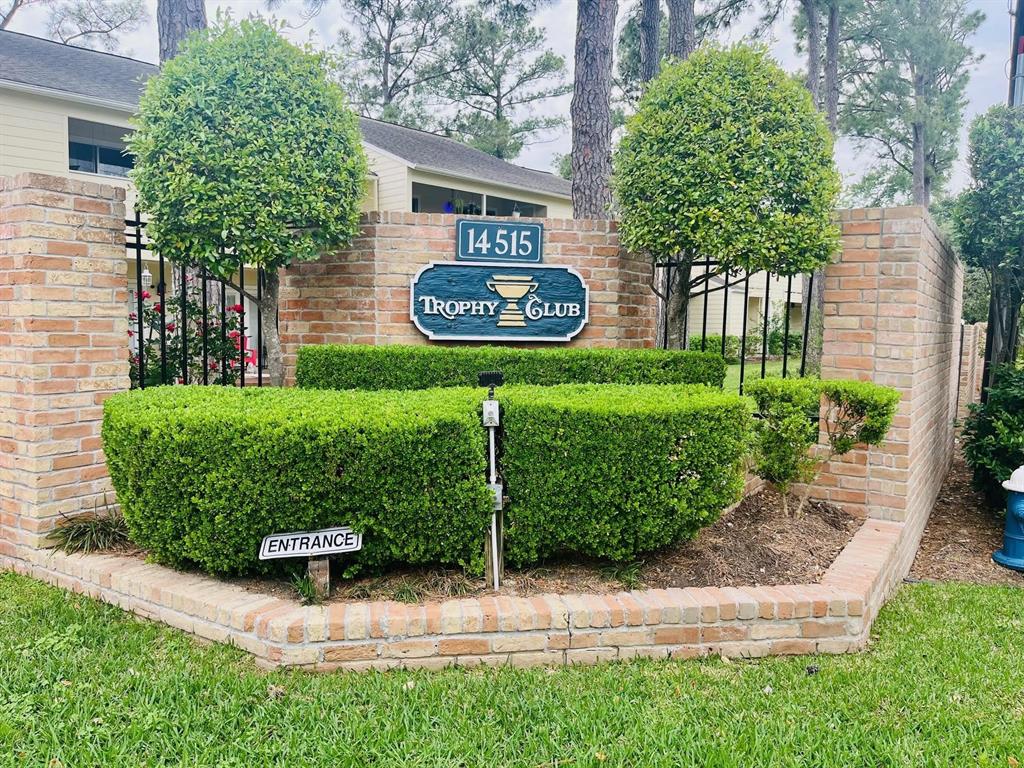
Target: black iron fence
x,y
187,326
754,319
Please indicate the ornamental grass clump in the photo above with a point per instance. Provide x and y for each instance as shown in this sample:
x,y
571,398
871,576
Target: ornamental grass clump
x,y
856,412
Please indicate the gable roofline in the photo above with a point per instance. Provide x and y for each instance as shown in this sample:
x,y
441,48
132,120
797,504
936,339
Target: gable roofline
x,y
518,189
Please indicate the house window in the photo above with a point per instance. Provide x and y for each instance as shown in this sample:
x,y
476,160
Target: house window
x,y
97,148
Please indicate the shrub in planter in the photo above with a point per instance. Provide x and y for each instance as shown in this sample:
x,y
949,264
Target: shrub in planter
x,y
354,366
203,473
785,432
612,471
994,434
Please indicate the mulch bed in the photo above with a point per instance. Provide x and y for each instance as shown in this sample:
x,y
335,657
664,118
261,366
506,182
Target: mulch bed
x,y
961,536
754,544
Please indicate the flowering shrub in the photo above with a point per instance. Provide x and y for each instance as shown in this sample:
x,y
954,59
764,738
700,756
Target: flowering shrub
x,y
223,343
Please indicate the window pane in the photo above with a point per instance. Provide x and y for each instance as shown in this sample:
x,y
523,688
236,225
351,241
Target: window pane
x,y
113,162
81,157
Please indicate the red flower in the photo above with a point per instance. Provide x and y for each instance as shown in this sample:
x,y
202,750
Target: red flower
x,y
235,308
157,307
171,326
233,334
131,333
145,294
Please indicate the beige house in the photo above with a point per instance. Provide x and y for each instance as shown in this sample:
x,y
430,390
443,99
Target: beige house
x,y
65,111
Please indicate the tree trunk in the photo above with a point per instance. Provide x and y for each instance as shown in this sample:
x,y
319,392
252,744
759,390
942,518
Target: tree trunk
x,y
682,28
271,337
832,67
814,303
175,19
920,150
650,27
677,305
813,80
591,109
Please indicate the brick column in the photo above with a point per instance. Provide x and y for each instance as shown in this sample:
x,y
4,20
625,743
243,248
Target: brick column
x,y
892,316
63,348
972,364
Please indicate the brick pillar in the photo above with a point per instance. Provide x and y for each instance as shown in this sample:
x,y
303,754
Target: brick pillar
x,y
892,316
972,363
63,348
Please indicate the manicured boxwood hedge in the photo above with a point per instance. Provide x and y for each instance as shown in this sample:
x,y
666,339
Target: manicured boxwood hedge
x,y
420,367
203,473
614,471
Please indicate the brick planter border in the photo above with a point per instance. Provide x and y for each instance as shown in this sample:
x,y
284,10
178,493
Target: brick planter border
x,y
834,616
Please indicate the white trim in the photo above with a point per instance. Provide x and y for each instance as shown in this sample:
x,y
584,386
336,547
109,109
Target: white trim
x,y
498,265
78,98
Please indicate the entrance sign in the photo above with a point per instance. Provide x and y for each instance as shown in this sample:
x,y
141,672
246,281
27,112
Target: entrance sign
x,y
310,543
498,302
481,240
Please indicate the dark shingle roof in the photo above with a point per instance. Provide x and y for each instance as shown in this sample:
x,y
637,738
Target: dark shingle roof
x,y
431,152
80,71
42,63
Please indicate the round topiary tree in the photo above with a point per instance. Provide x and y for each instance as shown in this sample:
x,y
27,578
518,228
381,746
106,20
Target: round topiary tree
x,y
246,153
726,159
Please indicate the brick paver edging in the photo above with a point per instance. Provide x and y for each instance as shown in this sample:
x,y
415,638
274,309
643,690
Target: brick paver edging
x,y
831,617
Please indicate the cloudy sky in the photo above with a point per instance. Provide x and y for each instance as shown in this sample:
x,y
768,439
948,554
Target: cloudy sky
x,y
988,85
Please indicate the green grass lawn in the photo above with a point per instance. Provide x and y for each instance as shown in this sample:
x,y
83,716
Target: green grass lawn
x,y
82,684
753,371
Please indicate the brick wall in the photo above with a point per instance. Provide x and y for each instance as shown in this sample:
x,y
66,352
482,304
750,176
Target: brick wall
x,y
361,294
892,316
63,347
972,366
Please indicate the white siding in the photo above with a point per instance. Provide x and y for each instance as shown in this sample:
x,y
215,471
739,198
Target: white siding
x,y
394,189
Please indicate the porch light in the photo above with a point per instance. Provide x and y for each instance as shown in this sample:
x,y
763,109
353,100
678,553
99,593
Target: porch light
x,y
147,278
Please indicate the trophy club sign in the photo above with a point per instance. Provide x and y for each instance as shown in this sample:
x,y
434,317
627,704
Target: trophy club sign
x,y
503,293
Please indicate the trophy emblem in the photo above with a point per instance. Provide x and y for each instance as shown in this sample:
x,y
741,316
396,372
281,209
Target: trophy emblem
x,y
511,288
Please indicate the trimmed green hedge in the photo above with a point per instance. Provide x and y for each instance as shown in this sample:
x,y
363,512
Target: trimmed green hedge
x,y
614,471
421,367
203,473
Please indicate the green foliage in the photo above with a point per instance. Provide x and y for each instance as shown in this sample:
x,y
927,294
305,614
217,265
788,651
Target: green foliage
x,y
976,296
988,218
504,70
713,343
993,434
246,151
94,531
223,344
203,473
727,158
908,65
785,433
394,51
353,366
305,588
855,412
613,471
